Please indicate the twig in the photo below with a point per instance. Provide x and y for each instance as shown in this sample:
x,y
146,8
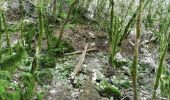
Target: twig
x,y
78,66
78,52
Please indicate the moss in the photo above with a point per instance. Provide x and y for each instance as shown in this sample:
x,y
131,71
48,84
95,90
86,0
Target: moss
x,y
8,91
111,91
56,50
5,75
125,84
119,63
28,83
10,63
44,77
47,61
107,90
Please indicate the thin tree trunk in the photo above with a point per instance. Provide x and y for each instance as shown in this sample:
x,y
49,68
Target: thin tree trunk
x,y
135,60
7,34
0,34
111,32
21,20
35,65
131,22
65,22
54,7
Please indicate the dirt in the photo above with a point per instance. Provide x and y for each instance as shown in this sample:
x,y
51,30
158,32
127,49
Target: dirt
x,y
79,35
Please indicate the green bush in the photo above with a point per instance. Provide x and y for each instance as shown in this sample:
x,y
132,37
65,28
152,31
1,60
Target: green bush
x,y
28,83
8,91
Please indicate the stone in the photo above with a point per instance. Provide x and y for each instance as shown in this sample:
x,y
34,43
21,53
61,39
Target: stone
x,y
89,92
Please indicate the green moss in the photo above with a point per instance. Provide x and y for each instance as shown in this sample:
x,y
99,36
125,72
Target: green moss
x,y
44,77
111,91
47,61
108,90
5,75
56,50
10,63
125,84
28,82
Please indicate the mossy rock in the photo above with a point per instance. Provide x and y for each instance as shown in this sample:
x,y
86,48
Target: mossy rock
x,y
44,77
107,90
5,75
125,84
111,91
8,91
27,85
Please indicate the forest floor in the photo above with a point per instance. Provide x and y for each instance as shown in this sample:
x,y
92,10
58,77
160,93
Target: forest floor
x,y
96,79
96,74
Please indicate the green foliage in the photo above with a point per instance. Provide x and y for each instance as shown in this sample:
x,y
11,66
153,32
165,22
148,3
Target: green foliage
x,y
6,32
114,33
164,37
5,75
28,83
40,96
165,82
47,61
8,91
13,61
29,35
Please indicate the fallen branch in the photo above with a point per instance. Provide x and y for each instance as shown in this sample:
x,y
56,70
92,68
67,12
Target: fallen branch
x,y
78,66
78,52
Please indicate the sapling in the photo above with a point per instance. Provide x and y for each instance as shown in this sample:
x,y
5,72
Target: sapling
x,y
114,34
7,33
22,21
35,65
0,33
164,37
66,20
54,8
131,22
136,54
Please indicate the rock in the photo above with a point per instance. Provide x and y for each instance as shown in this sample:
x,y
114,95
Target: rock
x,y
89,92
91,35
59,91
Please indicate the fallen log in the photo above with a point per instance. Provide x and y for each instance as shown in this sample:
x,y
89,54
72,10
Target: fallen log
x,y
78,66
79,52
